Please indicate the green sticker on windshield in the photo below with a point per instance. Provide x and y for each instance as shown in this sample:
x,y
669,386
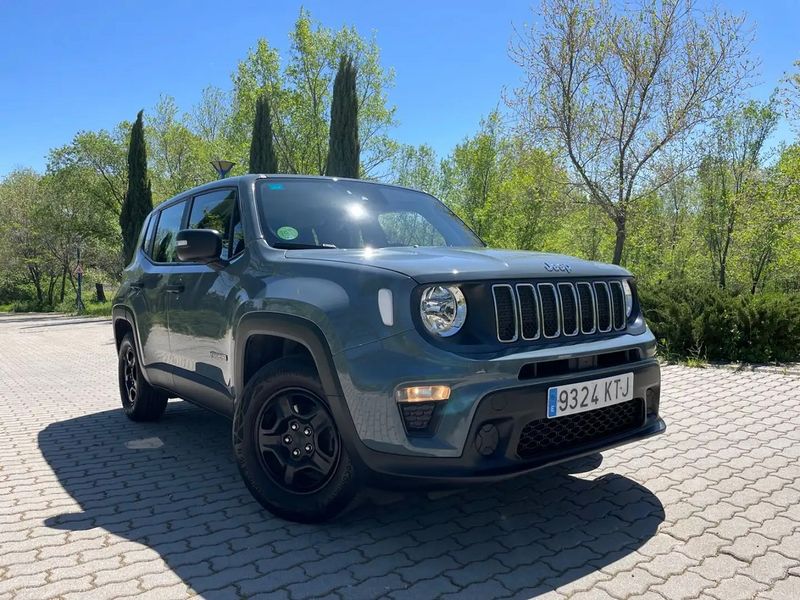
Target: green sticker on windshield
x,y
287,233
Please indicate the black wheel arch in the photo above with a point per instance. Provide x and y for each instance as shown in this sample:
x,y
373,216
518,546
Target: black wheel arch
x,y
123,321
308,334
290,327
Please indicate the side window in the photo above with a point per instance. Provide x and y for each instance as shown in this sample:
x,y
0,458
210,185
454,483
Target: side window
x,y
169,223
217,210
147,243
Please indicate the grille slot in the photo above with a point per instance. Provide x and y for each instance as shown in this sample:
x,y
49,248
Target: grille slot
x,y
528,311
505,312
603,299
569,308
550,321
586,298
563,433
618,304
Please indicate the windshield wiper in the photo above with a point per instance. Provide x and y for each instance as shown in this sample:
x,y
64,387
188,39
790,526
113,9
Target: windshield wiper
x,y
300,246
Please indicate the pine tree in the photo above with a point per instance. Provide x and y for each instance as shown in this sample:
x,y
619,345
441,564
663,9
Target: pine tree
x,y
262,152
343,147
138,200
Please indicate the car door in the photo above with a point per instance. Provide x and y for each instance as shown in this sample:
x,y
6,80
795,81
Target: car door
x,y
151,298
199,313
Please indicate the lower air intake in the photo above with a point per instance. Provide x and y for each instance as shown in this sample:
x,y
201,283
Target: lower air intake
x,y
562,433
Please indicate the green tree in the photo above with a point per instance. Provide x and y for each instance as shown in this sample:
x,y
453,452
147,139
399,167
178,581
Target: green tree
x,y
728,176
789,95
770,232
262,151
417,167
300,91
343,146
138,201
178,156
101,155
614,89
21,193
473,173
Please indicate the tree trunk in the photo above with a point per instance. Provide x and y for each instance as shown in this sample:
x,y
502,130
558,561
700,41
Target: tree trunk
x,y
63,283
37,282
619,245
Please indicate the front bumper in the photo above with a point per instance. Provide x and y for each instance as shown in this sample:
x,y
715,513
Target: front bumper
x,y
484,391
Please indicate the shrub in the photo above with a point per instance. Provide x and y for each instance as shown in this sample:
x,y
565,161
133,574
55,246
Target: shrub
x,y
701,320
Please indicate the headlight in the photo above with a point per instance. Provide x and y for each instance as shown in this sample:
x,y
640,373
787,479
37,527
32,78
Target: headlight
x,y
443,309
626,288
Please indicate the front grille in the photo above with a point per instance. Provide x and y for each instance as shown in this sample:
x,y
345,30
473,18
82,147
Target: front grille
x,y
563,433
531,311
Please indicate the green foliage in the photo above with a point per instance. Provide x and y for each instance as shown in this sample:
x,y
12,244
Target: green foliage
x,y
702,320
619,88
343,147
138,201
262,150
300,90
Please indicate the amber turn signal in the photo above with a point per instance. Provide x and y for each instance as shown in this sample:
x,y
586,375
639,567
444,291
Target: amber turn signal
x,y
423,393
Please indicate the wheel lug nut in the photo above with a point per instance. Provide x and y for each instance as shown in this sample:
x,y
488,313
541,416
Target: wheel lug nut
x,y
309,448
295,452
294,426
307,431
287,439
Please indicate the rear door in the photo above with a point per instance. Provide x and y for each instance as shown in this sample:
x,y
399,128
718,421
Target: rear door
x,y
152,298
199,313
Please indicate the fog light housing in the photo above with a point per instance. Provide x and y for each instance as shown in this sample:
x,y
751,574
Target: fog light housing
x,y
423,393
419,406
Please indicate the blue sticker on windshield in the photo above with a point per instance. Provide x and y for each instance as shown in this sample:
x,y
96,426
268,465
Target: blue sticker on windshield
x,y
275,186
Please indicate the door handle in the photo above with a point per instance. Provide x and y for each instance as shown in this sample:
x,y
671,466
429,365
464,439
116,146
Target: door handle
x,y
137,285
175,289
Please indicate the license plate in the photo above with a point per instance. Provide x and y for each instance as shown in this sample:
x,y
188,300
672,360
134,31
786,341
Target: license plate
x,y
589,395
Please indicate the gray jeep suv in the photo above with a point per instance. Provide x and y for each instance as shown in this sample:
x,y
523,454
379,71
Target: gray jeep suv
x,y
360,333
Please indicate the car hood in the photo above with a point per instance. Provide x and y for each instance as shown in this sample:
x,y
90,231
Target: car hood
x,y
427,265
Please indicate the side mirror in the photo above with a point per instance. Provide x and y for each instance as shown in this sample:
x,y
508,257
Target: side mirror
x,y
198,245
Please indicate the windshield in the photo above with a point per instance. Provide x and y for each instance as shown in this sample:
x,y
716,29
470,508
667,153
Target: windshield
x,y
327,213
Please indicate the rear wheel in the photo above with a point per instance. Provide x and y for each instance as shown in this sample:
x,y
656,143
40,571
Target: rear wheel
x,y
288,447
140,400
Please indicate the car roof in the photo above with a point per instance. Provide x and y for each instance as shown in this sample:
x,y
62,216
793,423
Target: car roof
x,y
252,177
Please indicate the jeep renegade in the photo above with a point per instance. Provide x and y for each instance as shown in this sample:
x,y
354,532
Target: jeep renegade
x,y
359,333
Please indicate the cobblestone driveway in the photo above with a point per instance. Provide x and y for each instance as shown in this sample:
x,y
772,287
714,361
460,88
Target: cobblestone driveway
x,y
92,505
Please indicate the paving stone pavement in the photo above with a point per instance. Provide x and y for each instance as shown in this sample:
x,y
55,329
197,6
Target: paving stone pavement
x,y
95,506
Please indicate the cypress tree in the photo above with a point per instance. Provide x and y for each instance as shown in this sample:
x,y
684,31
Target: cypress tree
x,y
262,152
343,146
138,200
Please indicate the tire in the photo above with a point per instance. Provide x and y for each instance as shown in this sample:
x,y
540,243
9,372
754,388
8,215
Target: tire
x,y
288,447
140,400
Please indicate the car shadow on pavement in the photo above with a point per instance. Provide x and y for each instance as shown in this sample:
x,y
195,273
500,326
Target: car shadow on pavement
x,y
173,486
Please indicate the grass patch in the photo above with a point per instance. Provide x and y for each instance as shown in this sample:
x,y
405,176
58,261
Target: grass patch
x,y
96,309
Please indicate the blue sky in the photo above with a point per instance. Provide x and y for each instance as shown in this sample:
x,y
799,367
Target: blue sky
x,y
68,66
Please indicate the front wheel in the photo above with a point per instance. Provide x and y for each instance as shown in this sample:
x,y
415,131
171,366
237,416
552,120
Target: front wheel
x,y
288,447
140,400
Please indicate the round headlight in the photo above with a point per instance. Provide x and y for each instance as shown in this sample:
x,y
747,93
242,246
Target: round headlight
x,y
443,309
626,287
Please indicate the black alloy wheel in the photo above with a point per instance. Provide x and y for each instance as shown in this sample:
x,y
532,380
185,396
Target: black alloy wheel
x,y
298,442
